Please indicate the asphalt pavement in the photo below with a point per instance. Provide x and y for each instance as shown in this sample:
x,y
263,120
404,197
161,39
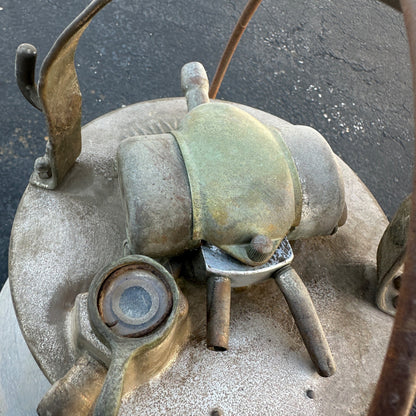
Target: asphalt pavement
x,y
341,67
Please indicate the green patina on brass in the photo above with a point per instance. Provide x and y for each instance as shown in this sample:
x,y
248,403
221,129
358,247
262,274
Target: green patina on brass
x,y
242,177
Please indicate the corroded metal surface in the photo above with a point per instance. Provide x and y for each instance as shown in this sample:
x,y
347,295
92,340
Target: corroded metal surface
x,y
396,387
265,349
156,195
390,258
194,83
218,312
209,261
231,181
133,346
242,178
76,392
220,272
136,339
58,96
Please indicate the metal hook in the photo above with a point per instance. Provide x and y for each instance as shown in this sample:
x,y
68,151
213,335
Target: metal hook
x,y
26,56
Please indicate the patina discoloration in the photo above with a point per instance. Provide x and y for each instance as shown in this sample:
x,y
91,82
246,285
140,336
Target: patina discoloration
x,y
243,179
265,345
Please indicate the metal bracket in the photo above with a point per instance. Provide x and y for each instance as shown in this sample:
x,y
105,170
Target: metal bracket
x,y
390,259
212,261
58,96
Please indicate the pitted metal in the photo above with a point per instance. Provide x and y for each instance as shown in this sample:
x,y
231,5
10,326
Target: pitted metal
x,y
160,209
133,302
242,178
266,346
50,171
87,376
128,346
221,272
227,179
156,196
85,212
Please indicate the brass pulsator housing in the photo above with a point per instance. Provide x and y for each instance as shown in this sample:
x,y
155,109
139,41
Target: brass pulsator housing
x,y
224,177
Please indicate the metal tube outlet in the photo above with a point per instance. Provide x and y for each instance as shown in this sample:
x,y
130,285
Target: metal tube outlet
x,y
218,312
306,319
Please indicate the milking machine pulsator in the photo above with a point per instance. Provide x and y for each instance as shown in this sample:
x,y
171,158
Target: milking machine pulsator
x,y
145,247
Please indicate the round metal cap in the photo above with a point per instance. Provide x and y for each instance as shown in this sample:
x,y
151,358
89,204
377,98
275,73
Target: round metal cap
x,y
134,300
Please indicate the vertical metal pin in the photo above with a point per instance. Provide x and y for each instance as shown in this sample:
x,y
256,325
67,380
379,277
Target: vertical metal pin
x,y
218,312
306,319
195,84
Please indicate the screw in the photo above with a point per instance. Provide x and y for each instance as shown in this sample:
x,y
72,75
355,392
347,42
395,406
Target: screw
x,y
260,248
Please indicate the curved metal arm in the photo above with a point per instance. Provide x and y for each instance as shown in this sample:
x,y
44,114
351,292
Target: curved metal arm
x,y
232,44
26,55
58,96
306,319
108,401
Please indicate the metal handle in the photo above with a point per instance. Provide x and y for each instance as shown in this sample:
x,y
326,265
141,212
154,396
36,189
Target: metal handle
x,y
84,379
108,401
26,55
58,96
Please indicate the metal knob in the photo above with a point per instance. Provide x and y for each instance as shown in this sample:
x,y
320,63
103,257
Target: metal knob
x,y
260,248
